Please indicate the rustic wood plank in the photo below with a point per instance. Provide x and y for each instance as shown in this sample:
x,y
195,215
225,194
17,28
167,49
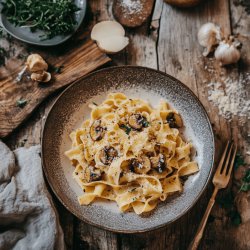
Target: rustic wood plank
x,y
179,55
77,62
171,46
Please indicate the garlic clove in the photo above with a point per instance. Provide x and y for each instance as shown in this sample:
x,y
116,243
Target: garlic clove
x,y
36,63
209,35
113,44
227,53
107,29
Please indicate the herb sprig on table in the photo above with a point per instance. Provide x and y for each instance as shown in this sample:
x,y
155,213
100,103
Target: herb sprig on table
x,y
55,17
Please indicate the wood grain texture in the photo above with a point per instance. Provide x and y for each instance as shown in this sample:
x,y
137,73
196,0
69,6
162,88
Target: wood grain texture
x,y
76,62
168,42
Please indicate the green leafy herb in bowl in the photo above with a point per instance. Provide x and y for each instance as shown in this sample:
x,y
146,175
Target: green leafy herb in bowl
x,y
54,17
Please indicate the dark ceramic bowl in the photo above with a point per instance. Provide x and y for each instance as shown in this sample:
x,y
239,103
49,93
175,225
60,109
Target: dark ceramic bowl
x,y
71,108
25,35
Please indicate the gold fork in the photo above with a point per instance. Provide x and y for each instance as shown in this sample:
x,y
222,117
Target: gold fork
x,y
220,180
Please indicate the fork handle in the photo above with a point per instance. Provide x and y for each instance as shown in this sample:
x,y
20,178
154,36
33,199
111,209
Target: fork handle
x,y
195,243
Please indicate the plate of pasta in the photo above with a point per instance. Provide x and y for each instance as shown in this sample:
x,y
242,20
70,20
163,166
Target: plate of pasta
x,y
128,149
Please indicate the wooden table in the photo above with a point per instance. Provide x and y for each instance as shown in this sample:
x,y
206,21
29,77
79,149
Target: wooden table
x,y
168,42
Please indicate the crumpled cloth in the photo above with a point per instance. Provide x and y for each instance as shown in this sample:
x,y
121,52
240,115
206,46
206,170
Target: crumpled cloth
x,y
28,219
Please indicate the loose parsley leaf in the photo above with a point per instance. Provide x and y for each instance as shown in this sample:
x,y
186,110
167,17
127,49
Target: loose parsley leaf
x,y
235,218
58,70
246,182
246,178
245,187
95,103
3,54
21,103
239,160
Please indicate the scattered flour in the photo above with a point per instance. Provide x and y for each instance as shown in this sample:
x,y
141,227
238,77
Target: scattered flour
x,y
231,97
132,6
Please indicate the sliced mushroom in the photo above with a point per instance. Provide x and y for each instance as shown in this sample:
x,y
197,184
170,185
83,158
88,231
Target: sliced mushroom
x,y
92,174
97,131
107,155
46,77
140,165
36,63
174,120
138,121
158,162
41,76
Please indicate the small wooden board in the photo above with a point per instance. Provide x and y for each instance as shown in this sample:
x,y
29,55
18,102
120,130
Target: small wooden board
x,y
77,58
134,15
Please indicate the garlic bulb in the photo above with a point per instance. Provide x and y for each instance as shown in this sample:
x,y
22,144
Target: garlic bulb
x,y
209,35
227,52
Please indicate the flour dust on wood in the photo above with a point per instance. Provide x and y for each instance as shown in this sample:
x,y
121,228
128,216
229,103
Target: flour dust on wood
x,y
231,97
132,6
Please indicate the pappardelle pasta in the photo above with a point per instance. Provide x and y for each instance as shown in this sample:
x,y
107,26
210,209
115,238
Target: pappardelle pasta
x,y
130,153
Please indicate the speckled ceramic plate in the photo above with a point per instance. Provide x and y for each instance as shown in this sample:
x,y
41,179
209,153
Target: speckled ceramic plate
x,y
25,35
71,108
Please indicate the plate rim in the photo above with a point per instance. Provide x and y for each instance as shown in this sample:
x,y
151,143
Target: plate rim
x,y
44,44
126,231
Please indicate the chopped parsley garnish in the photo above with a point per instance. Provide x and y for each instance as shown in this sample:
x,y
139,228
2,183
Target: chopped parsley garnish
x,y
95,103
21,103
126,128
132,190
54,17
145,123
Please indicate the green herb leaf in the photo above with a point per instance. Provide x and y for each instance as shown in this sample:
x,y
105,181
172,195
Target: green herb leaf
x,y
58,70
246,178
246,182
132,190
235,218
145,123
3,55
95,103
245,187
126,128
21,103
239,161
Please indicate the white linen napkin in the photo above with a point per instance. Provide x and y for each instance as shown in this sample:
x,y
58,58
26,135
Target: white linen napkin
x,y
28,219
